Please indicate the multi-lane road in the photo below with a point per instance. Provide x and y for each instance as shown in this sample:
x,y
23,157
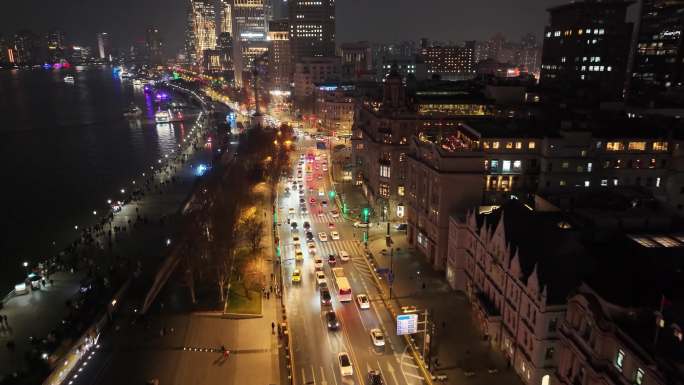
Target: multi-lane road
x,y
315,348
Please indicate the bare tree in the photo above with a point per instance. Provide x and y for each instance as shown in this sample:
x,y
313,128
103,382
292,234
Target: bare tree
x,y
252,231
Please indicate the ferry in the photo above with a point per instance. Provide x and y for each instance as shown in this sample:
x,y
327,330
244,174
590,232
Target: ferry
x,y
166,116
69,79
133,111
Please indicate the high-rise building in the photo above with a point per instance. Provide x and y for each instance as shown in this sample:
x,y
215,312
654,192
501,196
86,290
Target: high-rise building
x,y
312,28
190,39
55,45
226,17
586,46
250,31
225,50
357,60
280,62
4,50
658,60
203,25
104,45
26,48
155,46
451,62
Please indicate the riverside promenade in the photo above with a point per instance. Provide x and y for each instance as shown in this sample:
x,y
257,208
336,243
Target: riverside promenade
x,y
140,235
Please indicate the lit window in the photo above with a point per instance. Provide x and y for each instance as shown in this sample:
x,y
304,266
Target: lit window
x,y
531,145
518,145
562,183
565,164
495,145
485,145
517,165
401,191
384,190
587,183
659,146
658,182
615,146
506,166
666,241
509,145
604,182
384,171
636,146
589,166
646,242
639,376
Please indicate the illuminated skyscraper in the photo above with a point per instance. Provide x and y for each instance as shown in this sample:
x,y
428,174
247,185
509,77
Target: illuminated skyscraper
x,y
250,30
55,45
312,28
280,70
201,29
25,48
226,17
104,45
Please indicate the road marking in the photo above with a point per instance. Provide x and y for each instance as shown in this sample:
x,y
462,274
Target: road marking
x,y
415,376
313,374
303,376
332,369
323,380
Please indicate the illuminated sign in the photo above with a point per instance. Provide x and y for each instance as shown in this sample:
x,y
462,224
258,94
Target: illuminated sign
x,y
407,324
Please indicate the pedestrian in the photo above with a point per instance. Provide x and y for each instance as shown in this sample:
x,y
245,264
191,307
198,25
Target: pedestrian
x,y
273,327
268,295
271,288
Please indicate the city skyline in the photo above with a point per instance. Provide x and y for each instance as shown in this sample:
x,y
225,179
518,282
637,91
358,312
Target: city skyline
x,y
356,20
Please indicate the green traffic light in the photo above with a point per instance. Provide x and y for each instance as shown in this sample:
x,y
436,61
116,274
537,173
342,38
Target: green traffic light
x,y
331,194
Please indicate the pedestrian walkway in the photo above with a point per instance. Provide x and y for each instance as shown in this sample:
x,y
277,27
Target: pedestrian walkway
x,y
34,315
458,345
327,218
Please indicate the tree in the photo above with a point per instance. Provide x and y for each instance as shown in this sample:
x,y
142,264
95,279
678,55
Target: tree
x,y
252,230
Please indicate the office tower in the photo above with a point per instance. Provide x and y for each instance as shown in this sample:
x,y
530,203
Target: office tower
x,y
226,17
358,57
225,50
451,62
104,45
55,45
249,34
312,28
586,46
190,39
658,61
26,48
154,46
203,25
280,62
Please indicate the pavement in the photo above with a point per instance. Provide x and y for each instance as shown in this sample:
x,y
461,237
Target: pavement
x,y
34,314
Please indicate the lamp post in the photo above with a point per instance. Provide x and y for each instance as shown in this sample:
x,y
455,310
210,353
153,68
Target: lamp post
x,y
26,265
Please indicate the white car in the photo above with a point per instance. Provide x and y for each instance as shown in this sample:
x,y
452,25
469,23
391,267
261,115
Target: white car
x,y
345,364
363,301
344,256
323,237
291,210
335,235
377,337
320,278
318,263
360,224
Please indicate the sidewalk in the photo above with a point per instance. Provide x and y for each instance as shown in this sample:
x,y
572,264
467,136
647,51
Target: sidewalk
x,y
457,343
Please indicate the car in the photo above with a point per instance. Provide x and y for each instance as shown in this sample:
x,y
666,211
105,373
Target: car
x,y
335,213
319,177
312,247
301,192
331,320
312,200
291,210
302,200
299,256
322,236
321,213
326,298
345,364
331,225
358,224
363,301
309,236
325,168
320,277
324,204
321,192
303,210
335,235
344,256
309,178
332,260
377,337
375,378
307,225
318,263
401,226
296,276
295,237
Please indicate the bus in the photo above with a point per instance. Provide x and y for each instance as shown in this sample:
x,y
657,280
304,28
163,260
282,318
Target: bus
x,y
344,291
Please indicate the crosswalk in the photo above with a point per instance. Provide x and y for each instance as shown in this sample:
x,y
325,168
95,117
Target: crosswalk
x,y
354,248
326,218
328,375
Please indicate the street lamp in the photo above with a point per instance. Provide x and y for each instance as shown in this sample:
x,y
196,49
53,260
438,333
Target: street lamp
x,y
26,264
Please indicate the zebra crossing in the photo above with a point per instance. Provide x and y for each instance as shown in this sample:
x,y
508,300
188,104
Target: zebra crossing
x,y
355,250
326,218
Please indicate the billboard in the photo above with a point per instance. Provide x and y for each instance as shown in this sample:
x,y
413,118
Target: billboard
x,y
407,324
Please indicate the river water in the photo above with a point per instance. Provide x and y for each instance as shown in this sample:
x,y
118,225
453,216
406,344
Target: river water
x,y
64,150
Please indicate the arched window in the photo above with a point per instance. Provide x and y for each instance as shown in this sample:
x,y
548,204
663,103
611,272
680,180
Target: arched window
x,y
546,380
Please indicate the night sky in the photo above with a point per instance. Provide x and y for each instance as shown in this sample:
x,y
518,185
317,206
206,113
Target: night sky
x,y
373,20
